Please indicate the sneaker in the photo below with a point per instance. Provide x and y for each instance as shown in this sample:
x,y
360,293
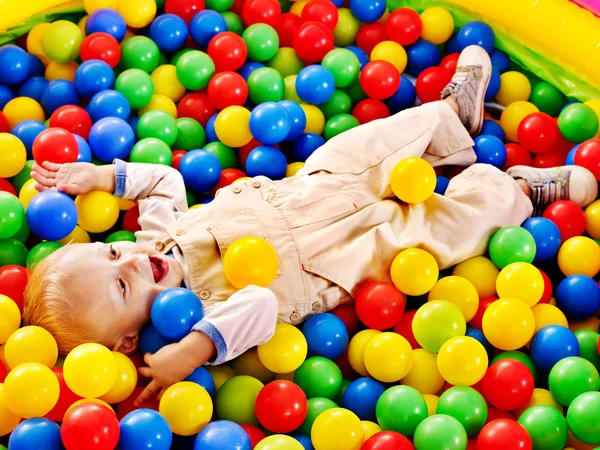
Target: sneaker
x,y
468,86
547,186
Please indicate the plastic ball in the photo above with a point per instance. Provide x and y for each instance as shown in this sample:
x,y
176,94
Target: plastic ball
x,y
547,98
223,434
285,351
379,79
90,425
477,33
187,407
22,108
568,216
424,375
546,236
30,344
30,390
511,244
55,145
144,428
438,25
71,118
10,318
326,335
579,255
578,122
236,399
401,409
522,281
440,431
551,344
466,405
52,215
250,260
62,41
404,26
380,305
504,434
512,116
319,377
508,324
262,44
437,321
109,104
578,296
580,418
261,11
111,138
186,9
200,170
482,274
462,361
387,440
90,370
458,291
232,126
175,311
97,211
16,64
388,357
508,384
490,150
313,41
413,180
571,377
34,433
546,314
414,271
11,215
137,86
281,406
361,397
279,442
421,56
337,428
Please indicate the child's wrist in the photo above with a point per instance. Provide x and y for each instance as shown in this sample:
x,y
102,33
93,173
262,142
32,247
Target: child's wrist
x,y
106,178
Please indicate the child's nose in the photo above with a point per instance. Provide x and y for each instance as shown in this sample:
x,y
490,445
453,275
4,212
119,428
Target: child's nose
x,y
132,262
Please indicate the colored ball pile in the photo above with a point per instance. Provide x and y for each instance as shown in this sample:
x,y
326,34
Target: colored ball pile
x,y
500,352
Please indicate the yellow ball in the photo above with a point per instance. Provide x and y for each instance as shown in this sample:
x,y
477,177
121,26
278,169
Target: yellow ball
x,y
508,324
166,82
285,351
413,180
414,271
540,397
162,103
388,357
293,168
592,220
514,87
248,363
8,419
90,370
579,255
31,390
232,126
22,108
137,13
437,321
297,7
77,236
10,318
82,23
337,429
220,374
27,192
31,344
35,39
391,52
62,40
279,442
289,89
93,5
13,156
369,428
59,71
126,380
438,25
187,407
315,120
459,291
522,281
595,105
98,211
346,29
481,272
250,260
592,324
462,361
546,314
89,400
432,401
356,350
512,116
125,205
424,375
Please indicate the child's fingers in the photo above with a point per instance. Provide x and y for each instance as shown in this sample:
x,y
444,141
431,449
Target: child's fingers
x,y
145,372
51,166
42,171
44,181
148,393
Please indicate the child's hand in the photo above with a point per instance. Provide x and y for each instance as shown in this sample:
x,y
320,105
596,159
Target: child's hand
x,y
73,178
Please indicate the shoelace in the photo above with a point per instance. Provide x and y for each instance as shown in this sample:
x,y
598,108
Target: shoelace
x,y
544,194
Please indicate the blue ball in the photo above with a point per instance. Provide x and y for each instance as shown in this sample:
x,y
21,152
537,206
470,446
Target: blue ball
x,y
15,63
203,377
6,95
296,118
305,441
578,296
422,55
170,32
209,129
205,25
326,335
133,122
269,123
201,170
546,236
452,45
246,70
477,33
494,85
94,76
362,56
151,341
145,429
570,159
109,103
37,68
500,61
52,215
361,397
33,88
367,10
315,84
175,311
267,161
494,129
305,145
59,93
479,336
36,433
27,131
106,20
111,138
551,344
403,98
490,150
84,151
441,184
221,435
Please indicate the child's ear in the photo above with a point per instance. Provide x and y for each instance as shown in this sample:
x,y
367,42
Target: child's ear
x,y
127,344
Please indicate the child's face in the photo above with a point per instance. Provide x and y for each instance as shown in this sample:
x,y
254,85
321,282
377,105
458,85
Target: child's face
x,y
115,285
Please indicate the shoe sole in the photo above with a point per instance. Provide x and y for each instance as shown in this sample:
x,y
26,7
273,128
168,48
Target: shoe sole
x,y
486,67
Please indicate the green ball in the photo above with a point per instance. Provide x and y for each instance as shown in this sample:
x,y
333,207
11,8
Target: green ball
x,y
195,69
588,346
340,398
140,52
23,176
234,22
319,377
355,91
178,54
137,86
401,409
40,251
190,134
190,198
316,406
120,236
23,233
518,356
219,5
346,29
582,417
265,85
546,426
578,122
151,151
12,252
12,215
338,124
440,432
157,124
286,62
162,59
236,398
466,405
571,377
343,65
547,98
262,41
62,41
226,155
339,103
511,244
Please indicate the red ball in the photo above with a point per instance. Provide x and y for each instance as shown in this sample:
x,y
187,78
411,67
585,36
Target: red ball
x,y
186,9
90,426
561,142
227,89
254,433
379,79
261,11
538,132
588,156
547,295
131,218
568,217
65,400
551,158
323,11
55,145
508,384
5,186
495,413
228,51
4,125
380,305
347,314
343,364
484,303
3,372
127,405
197,106
387,440
313,41
177,155
404,328
504,434
13,280
449,62
101,46
516,156
404,26
228,176
431,82
72,118
370,109
370,35
286,28
281,406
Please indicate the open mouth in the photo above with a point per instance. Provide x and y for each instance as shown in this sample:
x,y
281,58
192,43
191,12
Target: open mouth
x,y
159,267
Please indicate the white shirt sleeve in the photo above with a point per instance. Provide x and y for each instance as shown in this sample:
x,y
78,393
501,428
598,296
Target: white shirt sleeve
x,y
246,319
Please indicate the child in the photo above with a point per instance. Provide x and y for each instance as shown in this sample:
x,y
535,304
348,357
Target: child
x,y
334,225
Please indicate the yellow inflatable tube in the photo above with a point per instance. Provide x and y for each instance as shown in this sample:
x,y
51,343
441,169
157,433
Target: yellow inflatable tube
x,y
13,12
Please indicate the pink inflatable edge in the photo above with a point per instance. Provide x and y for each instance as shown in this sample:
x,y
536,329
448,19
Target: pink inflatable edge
x,y
591,5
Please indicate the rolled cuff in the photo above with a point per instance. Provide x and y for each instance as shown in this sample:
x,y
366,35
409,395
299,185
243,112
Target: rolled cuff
x,y
214,335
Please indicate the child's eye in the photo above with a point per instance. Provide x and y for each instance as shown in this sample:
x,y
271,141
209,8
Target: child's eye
x,y
122,285
113,252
